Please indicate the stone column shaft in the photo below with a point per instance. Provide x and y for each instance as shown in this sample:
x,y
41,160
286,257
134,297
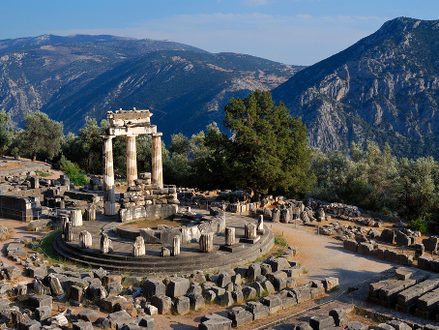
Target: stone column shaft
x,y
176,242
131,160
157,166
230,236
109,197
206,242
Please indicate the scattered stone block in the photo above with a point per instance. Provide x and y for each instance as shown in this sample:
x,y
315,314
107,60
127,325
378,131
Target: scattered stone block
x,y
321,322
273,302
350,245
239,316
388,236
238,296
402,273
257,309
177,287
399,325
278,264
119,318
109,304
249,292
209,295
253,271
339,316
153,287
181,305
43,313
225,299
151,309
224,278
330,283
82,325
196,301
163,303
88,315
430,244
214,322
146,322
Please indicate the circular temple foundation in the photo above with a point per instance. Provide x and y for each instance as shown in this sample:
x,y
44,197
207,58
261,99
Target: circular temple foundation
x,y
189,259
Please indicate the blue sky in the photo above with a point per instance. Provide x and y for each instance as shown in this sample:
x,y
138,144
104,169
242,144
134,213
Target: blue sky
x,y
288,31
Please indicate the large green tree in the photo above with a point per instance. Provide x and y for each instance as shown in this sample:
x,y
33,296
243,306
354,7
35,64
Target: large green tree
x,y
42,136
269,150
5,134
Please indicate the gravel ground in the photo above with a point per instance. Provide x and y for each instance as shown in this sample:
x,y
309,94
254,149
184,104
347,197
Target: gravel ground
x,y
323,256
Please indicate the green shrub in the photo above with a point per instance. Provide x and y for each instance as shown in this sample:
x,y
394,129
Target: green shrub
x,y
72,170
418,224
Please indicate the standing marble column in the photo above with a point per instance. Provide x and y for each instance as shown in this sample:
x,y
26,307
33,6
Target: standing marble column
x,y
176,242
131,160
206,242
109,197
157,167
230,236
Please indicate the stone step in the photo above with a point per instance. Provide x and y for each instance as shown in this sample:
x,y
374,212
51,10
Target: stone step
x,y
153,264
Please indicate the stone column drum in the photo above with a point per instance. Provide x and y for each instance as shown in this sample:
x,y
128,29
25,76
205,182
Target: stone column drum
x,y
105,243
85,239
176,242
69,232
76,218
206,242
260,228
131,160
109,196
139,247
157,167
230,236
250,230
90,213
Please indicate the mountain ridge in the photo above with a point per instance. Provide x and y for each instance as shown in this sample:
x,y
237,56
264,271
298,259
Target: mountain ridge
x,y
38,73
385,87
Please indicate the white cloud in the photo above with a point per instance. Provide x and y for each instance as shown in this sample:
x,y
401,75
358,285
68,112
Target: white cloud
x,y
295,39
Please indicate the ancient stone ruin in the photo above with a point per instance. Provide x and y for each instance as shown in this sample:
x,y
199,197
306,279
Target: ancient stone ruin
x,y
146,197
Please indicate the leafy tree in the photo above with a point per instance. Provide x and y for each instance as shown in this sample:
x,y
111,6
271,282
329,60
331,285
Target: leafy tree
x,y
211,158
72,170
5,134
269,151
42,136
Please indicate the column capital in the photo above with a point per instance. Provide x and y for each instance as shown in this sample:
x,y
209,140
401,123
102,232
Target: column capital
x,y
108,137
157,134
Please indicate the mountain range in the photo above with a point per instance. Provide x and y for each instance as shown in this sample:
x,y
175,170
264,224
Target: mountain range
x,y
72,78
384,88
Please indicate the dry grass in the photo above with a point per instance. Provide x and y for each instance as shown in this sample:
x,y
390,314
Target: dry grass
x,y
6,236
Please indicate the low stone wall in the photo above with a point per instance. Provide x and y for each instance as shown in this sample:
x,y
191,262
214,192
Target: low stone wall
x,y
13,207
150,212
378,252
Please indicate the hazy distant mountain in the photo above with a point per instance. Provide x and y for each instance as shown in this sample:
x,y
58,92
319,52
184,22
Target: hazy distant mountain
x,y
78,76
185,90
384,88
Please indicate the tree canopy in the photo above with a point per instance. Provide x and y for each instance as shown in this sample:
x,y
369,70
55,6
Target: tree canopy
x,y
269,150
42,136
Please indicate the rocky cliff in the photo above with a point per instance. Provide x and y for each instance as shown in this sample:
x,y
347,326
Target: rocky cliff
x,y
383,88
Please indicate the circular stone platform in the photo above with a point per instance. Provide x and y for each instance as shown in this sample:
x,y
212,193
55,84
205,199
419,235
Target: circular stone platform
x,y
190,258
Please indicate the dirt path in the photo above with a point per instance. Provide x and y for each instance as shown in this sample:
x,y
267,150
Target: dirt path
x,y
323,256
